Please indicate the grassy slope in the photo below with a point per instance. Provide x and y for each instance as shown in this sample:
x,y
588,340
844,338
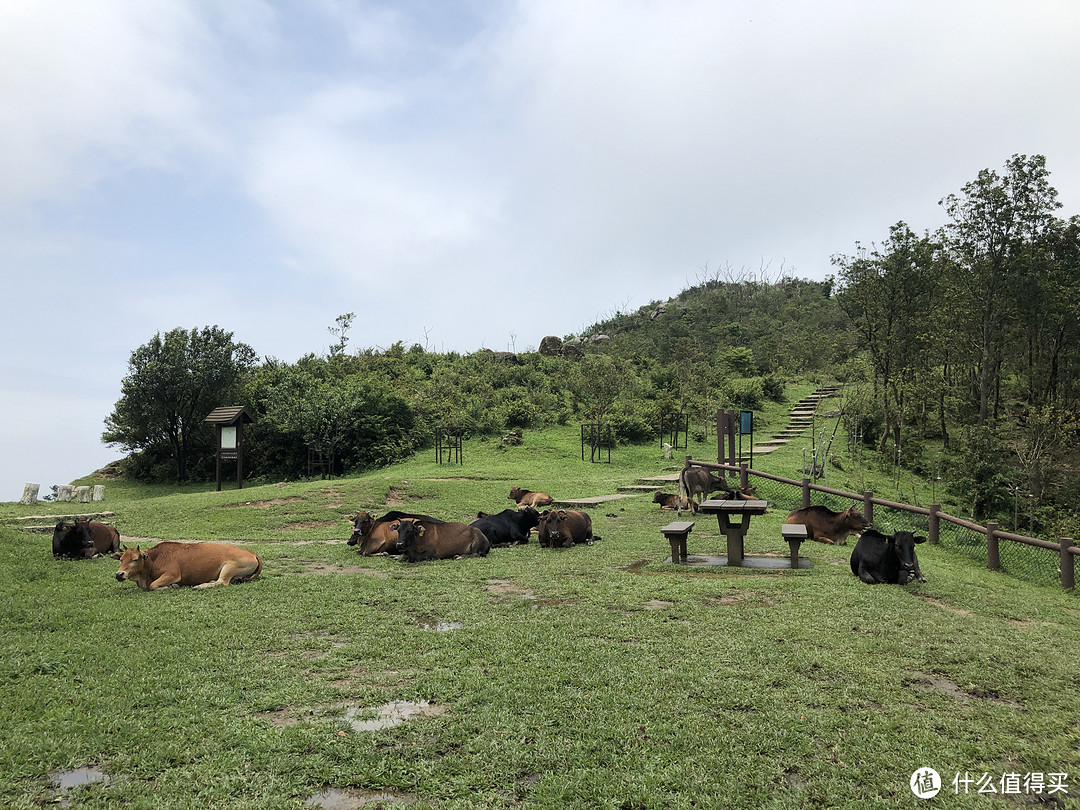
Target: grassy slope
x,y
591,677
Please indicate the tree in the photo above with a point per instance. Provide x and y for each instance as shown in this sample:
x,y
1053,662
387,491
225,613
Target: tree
x,y
173,382
888,294
996,223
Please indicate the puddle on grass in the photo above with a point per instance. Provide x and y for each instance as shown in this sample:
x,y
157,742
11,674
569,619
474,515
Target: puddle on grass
x,y
391,714
336,799
439,625
77,777
65,780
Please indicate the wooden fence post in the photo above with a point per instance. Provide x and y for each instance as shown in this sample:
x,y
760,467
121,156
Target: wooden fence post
x,y
933,534
744,476
1068,572
993,561
868,506
806,493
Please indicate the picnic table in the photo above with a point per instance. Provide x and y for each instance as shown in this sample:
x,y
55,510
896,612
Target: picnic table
x,y
734,519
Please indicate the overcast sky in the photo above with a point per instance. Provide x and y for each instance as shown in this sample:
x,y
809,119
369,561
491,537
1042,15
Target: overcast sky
x,y
465,174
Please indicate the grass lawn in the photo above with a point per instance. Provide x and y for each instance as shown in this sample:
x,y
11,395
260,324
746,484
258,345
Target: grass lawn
x,y
596,676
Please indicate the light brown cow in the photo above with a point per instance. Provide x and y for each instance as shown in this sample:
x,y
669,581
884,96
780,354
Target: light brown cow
x,y
201,565
675,501
827,526
525,497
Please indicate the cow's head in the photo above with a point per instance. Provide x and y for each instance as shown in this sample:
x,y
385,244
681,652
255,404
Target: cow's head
x,y
660,497
362,524
73,539
550,526
528,517
903,544
134,566
854,520
516,494
411,538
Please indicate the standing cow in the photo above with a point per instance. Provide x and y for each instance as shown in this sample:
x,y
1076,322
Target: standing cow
x,y
826,526
881,558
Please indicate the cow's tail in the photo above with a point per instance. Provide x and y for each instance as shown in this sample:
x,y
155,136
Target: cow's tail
x,y
682,482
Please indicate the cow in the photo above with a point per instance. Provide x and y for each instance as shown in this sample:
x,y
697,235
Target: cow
x,y
524,497
508,528
827,526
675,501
701,481
201,565
84,539
565,527
881,558
419,540
379,535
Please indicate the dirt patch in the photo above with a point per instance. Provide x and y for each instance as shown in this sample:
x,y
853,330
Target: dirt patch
x,y
935,683
263,504
504,587
944,606
322,568
334,498
658,604
395,496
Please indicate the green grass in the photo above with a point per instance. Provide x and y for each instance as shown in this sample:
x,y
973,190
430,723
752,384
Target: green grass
x,y
592,677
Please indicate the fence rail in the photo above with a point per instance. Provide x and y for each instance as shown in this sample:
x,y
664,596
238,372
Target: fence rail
x,y
1020,556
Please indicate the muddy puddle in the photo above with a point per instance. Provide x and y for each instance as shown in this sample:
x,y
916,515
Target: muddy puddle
x,y
439,625
65,781
390,714
506,590
351,798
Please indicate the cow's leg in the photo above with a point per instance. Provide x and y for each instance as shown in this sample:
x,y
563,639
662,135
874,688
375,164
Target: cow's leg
x,y
823,538
165,581
866,576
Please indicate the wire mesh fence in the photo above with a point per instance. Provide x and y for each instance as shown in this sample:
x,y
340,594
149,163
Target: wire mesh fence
x,y
1028,562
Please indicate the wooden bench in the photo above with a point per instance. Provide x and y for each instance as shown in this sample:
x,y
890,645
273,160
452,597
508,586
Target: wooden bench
x,y
795,534
676,534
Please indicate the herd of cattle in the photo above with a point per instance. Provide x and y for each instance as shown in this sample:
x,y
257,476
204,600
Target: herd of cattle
x,y
877,557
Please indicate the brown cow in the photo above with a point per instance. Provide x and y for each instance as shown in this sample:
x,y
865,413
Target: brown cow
x,y
827,526
675,501
565,527
380,535
524,497
84,539
419,540
201,565
701,481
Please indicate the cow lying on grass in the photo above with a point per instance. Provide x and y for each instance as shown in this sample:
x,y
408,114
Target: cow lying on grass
x,y
675,501
508,528
881,558
380,535
201,565
525,497
827,526
84,539
420,540
563,528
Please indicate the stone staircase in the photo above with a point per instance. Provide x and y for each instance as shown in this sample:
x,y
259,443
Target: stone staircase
x,y
802,417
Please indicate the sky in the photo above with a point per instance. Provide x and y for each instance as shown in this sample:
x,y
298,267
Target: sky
x,y
466,174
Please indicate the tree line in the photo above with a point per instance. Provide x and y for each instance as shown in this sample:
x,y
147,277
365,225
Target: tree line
x,y
957,348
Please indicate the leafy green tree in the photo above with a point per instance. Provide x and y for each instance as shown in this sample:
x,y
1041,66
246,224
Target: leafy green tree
x,y
173,382
888,294
996,223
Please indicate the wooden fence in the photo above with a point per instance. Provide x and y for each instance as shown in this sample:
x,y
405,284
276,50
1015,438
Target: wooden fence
x,y
1065,548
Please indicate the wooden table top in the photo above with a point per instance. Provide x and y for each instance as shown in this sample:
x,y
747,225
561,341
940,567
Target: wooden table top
x,y
734,506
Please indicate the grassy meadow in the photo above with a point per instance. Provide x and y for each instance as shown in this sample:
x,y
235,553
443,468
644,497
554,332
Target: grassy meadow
x,y
597,676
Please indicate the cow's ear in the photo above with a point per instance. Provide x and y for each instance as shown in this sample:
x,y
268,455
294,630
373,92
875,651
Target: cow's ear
x,y
420,530
395,526
920,539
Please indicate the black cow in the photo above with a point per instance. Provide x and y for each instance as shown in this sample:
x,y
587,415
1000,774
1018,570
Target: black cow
x,y
509,527
881,558
84,539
